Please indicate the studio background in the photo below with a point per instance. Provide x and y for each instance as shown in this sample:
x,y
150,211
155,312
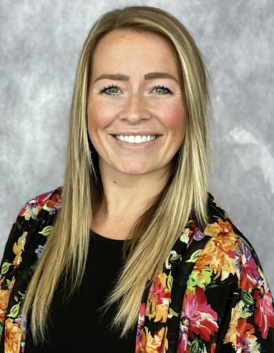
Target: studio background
x,y
40,43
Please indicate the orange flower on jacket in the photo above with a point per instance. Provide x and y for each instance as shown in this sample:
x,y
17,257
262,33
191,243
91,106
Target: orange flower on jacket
x,y
231,335
13,335
246,341
18,249
158,299
4,299
216,254
54,204
157,343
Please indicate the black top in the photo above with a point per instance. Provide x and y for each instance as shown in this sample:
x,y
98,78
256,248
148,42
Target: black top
x,y
77,325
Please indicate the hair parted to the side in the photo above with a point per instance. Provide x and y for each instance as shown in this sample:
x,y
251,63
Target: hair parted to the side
x,y
157,230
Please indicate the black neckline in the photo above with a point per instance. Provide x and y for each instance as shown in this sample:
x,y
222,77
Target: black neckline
x,y
105,239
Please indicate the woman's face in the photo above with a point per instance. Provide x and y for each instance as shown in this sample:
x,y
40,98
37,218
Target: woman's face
x,y
135,106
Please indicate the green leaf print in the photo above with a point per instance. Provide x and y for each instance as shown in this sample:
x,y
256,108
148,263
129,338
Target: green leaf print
x,y
22,295
169,281
195,346
14,311
5,267
247,298
200,279
8,282
194,257
46,231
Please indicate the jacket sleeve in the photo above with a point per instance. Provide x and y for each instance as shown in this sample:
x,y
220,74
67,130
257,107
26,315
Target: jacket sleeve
x,y
227,306
7,271
23,248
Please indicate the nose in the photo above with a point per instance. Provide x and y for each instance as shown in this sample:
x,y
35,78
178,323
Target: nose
x,y
135,109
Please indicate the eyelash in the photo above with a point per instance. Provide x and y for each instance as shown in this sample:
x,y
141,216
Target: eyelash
x,y
107,93
168,91
105,90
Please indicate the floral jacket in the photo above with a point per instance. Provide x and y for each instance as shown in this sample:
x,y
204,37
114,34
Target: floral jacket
x,y
210,296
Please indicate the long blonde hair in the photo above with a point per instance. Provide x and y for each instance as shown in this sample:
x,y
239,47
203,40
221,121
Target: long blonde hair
x,y
156,231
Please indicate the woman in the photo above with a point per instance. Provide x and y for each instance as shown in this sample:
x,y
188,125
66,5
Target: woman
x,y
132,253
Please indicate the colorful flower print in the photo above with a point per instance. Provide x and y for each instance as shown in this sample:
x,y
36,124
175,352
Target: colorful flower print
x,y
158,299
33,207
39,251
195,233
264,315
53,205
216,257
154,344
18,248
211,286
4,299
246,266
198,316
141,322
13,335
246,341
183,346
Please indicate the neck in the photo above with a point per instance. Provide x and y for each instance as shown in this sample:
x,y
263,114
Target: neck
x,y
126,198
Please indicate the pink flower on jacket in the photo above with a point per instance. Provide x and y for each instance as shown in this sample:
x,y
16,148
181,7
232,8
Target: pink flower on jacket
x,y
198,317
195,233
264,314
247,268
141,322
33,207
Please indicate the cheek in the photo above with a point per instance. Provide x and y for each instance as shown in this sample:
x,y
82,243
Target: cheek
x,y
174,118
98,116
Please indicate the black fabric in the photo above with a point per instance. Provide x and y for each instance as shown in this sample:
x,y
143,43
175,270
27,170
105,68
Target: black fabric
x,y
76,325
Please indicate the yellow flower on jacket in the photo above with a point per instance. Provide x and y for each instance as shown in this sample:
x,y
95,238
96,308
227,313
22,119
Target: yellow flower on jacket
x,y
13,335
217,252
158,299
157,343
18,248
231,335
4,299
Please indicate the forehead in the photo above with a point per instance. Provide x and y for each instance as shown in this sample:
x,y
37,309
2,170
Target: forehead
x,y
126,46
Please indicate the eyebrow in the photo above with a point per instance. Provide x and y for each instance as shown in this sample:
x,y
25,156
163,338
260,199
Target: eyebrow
x,y
153,75
149,76
116,77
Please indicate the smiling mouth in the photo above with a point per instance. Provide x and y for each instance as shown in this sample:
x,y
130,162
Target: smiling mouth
x,y
135,139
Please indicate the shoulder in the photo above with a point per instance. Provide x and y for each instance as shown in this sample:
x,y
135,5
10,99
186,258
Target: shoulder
x,y
221,224
227,291
24,246
32,226
50,202
39,212
228,251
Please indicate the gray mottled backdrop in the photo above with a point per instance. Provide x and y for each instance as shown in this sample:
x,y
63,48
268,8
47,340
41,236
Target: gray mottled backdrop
x,y
40,42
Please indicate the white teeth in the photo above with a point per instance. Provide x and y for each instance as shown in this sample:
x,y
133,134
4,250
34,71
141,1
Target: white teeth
x,y
131,139
135,139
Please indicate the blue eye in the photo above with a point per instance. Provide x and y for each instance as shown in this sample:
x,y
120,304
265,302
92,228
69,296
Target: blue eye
x,y
161,90
111,90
